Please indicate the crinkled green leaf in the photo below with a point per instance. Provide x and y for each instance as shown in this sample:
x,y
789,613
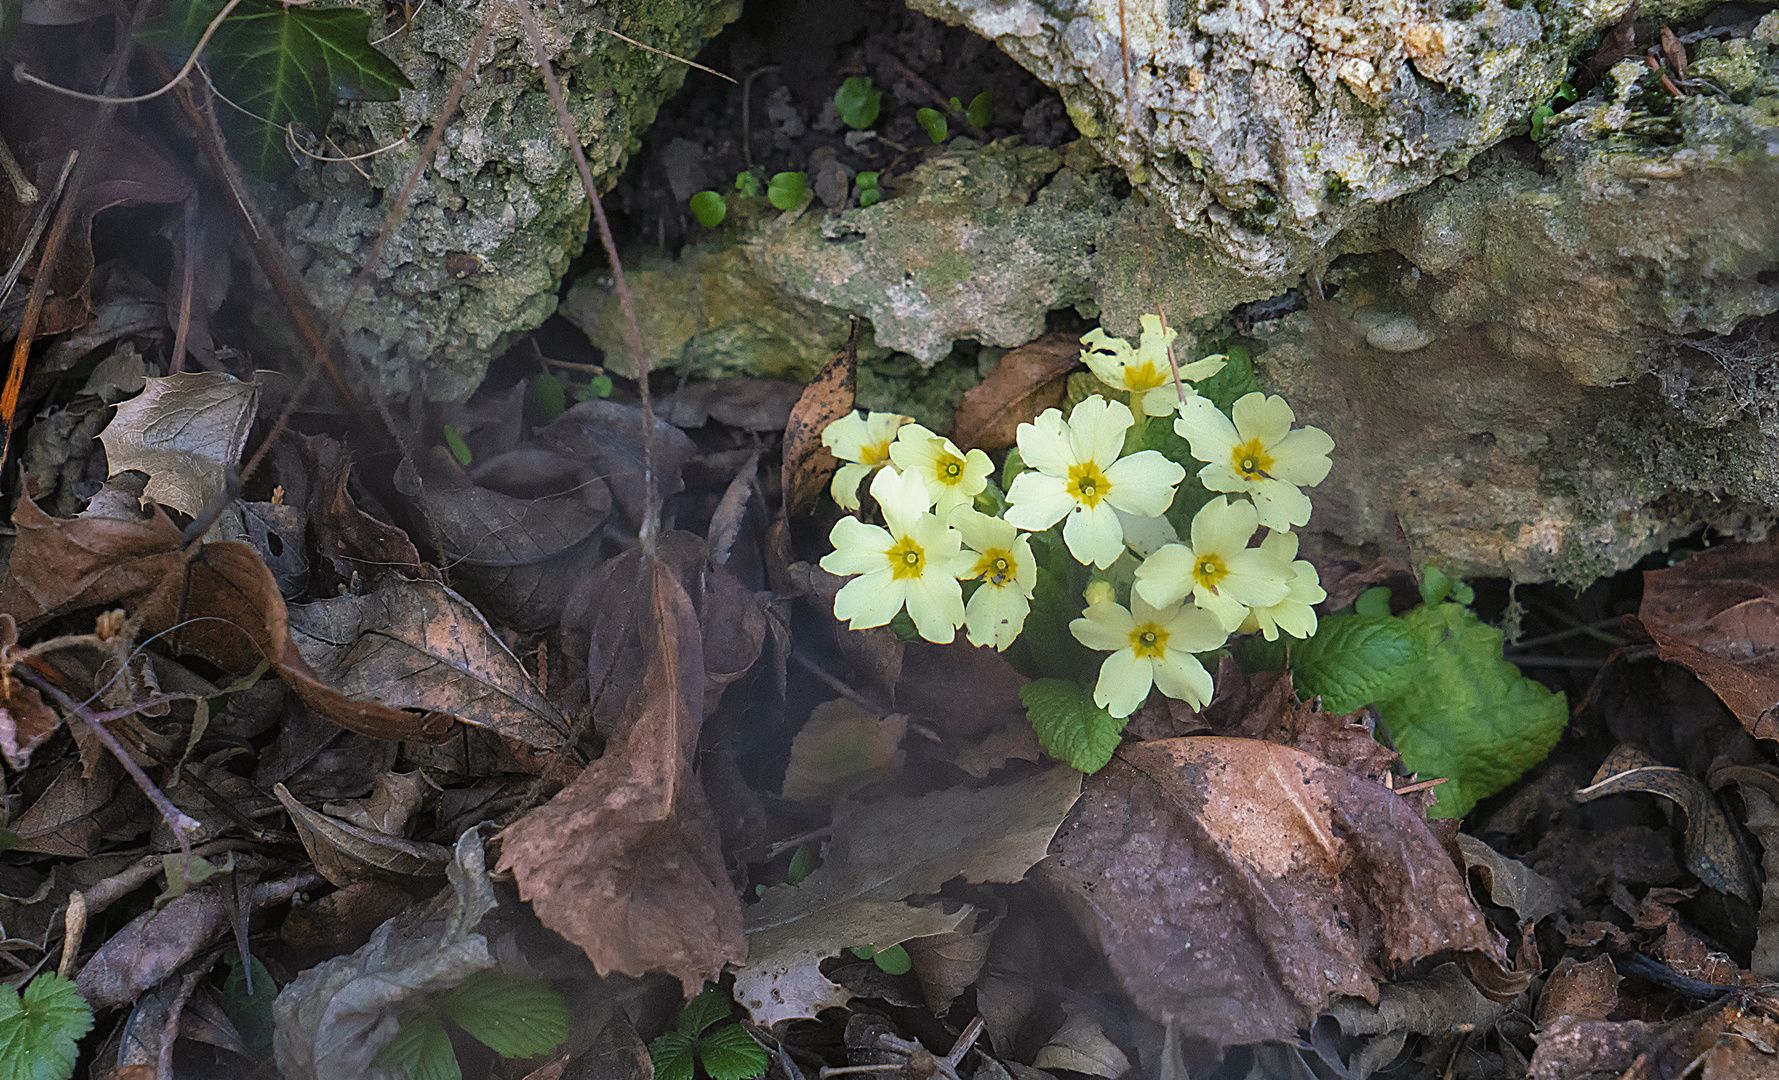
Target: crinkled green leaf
x,y
711,1006
1465,713
39,1029
516,1018
730,1053
1070,726
1235,380
421,1050
250,1012
673,1057
1353,660
747,183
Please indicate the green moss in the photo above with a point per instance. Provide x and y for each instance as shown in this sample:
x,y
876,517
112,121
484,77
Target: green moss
x,y
898,383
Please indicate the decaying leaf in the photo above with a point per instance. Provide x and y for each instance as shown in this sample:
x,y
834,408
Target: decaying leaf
x,y
1081,1046
625,861
1511,883
25,721
1441,1000
335,1017
1712,852
740,402
345,853
808,465
1294,882
608,436
947,964
1587,991
875,655
77,813
1762,818
881,853
842,750
350,541
185,431
1717,615
1023,384
154,945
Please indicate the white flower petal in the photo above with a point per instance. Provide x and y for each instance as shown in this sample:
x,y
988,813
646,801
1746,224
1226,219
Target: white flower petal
x,y
1165,578
1258,416
845,487
1143,483
1103,627
1203,425
1038,501
980,531
1281,544
1094,535
1302,457
1146,535
936,604
1203,368
1280,505
1179,675
1256,579
915,448
1223,526
871,600
995,615
858,548
1096,430
1124,683
1228,610
845,436
902,496
1195,630
1044,444
1221,476
1026,567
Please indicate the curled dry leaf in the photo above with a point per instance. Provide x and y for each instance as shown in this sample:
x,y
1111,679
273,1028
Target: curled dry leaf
x,y
1440,1001
25,721
625,861
1294,882
1023,384
808,465
1587,991
185,431
1081,1046
1717,615
350,541
948,964
154,945
882,853
1511,883
345,853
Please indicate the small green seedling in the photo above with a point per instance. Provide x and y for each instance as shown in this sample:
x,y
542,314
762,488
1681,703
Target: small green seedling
x,y
701,1037
549,396
600,386
892,961
787,189
515,1018
747,183
1543,113
934,122
859,102
459,449
709,208
981,110
250,1009
869,192
38,1029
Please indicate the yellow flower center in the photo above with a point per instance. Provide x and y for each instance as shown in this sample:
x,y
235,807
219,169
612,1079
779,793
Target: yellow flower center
x,y
949,469
876,453
1251,461
995,567
907,559
1148,641
1208,570
1145,376
1087,485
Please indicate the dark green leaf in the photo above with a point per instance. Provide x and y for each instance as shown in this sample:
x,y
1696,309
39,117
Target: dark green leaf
x,y
730,1053
1070,727
934,122
982,109
38,1032
1373,602
1435,586
1056,602
516,1018
1255,653
858,102
548,396
709,208
251,1013
787,189
421,1050
1014,465
1233,382
459,449
673,1057
893,960
1354,660
801,864
710,1006
863,952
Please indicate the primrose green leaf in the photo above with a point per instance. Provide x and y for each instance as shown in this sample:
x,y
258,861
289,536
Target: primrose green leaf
x,y
709,208
548,396
747,183
1046,644
858,102
786,190
38,1032
250,1012
1465,713
1354,660
934,122
1015,464
981,110
710,1006
893,960
730,1053
1070,726
459,449
421,1050
1375,601
516,1018
1435,586
673,1056
1232,382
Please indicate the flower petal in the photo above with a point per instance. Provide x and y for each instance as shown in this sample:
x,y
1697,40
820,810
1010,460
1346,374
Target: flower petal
x,y
1258,416
982,532
1223,527
1025,567
1195,630
1211,434
1096,430
1165,578
846,436
1094,535
845,487
995,615
903,497
1038,500
1256,578
1104,627
1203,368
1280,505
1228,610
1143,483
1280,544
1302,456
936,604
871,600
1044,444
915,448
1124,683
858,548
1179,675
1147,535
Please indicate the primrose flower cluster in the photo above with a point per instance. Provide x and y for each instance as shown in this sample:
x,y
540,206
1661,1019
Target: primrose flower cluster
x,y
954,551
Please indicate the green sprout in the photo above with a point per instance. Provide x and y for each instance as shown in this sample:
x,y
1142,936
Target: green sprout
x,y
1542,114
859,102
459,449
981,110
747,183
787,189
934,122
869,192
701,1037
515,1018
709,208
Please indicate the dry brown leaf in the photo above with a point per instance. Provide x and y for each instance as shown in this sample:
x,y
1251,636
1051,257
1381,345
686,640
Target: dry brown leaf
x,y
1237,886
1587,991
741,402
25,721
394,800
60,565
842,750
76,814
948,964
350,541
1442,1000
1511,883
1081,1046
808,465
1023,384
1762,819
185,431
345,853
154,945
1717,615
625,861
608,436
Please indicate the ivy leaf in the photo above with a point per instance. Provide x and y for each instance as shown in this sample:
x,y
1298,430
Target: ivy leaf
x,y
283,65
730,1053
515,1018
1354,660
1465,713
712,1006
38,1032
1230,384
1070,726
421,1050
673,1057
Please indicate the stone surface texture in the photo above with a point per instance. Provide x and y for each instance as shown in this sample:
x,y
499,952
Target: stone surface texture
x,y
493,224
1266,126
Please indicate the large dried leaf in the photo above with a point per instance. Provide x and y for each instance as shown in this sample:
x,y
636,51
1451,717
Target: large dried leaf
x,y
345,853
625,861
185,431
335,1018
418,645
882,853
350,541
1023,384
608,436
61,565
77,813
154,945
1717,615
808,465
1511,883
1237,886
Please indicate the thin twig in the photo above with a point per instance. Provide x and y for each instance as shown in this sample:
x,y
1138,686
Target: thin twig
x,y
188,278
22,188
43,215
663,52
747,98
170,1030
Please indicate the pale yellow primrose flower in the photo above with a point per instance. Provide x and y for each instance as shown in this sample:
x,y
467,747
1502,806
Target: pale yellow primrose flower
x,y
1076,473
915,562
1218,569
1003,562
864,442
1295,614
1144,371
1149,646
1257,452
953,477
